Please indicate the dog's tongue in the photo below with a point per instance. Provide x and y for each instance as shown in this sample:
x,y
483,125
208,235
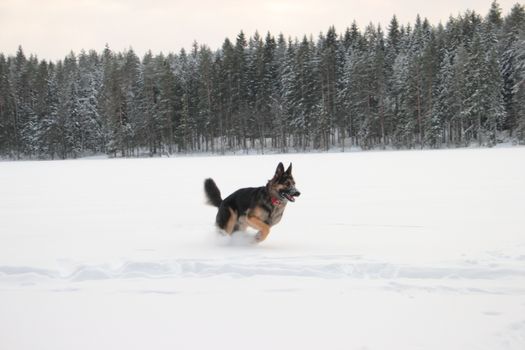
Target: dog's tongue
x,y
290,198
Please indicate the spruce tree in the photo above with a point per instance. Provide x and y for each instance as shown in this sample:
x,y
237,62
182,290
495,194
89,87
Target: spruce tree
x,y
7,111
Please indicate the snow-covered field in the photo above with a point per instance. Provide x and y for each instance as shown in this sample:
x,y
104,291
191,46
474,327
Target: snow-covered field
x,y
383,250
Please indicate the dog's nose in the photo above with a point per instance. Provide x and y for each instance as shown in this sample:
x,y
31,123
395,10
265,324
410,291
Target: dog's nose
x,y
297,193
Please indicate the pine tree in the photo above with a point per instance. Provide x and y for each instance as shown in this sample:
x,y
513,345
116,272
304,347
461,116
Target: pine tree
x,y
494,16
304,98
254,85
89,81
30,124
460,93
402,92
166,109
148,127
226,93
439,126
286,102
473,113
494,103
112,105
7,111
186,131
21,79
49,130
358,78
513,28
328,63
269,86
346,95
519,87
206,96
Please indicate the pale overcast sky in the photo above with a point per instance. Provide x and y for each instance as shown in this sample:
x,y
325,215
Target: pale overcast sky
x,y
52,28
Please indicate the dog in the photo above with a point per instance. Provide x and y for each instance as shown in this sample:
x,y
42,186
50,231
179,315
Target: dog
x,y
257,207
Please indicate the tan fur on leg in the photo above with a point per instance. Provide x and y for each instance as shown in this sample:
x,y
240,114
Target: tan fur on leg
x,y
231,221
257,224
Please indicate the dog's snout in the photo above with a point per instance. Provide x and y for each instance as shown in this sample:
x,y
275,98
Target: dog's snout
x,y
296,193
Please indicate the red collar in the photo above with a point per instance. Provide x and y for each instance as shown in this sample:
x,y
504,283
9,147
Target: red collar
x,y
276,202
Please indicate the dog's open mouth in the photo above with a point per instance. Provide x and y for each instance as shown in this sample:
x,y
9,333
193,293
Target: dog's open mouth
x,y
289,195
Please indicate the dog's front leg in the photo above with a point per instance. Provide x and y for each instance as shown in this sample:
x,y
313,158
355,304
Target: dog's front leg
x,y
258,224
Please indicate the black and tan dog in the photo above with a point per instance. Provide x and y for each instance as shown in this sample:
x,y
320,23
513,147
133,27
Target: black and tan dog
x,y
257,207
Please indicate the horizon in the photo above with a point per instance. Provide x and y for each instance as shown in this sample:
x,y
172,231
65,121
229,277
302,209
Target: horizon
x,y
53,48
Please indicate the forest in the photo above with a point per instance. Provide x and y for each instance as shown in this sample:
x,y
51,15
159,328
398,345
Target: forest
x,y
415,85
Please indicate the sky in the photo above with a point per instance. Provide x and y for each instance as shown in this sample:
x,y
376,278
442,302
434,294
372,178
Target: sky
x,y
52,28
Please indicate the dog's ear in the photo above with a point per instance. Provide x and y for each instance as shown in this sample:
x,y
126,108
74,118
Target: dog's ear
x,y
289,170
279,171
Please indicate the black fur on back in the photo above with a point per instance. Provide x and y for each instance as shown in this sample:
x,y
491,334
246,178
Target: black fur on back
x,y
212,193
248,198
241,201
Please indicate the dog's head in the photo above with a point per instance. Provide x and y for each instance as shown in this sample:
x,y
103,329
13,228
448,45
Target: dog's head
x,y
282,185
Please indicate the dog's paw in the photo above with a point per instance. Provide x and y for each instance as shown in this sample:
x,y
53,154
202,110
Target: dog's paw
x,y
259,237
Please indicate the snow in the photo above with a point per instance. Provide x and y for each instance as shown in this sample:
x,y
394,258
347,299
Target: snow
x,y
383,250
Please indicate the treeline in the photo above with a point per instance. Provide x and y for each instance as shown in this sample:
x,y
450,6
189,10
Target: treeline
x,y
417,85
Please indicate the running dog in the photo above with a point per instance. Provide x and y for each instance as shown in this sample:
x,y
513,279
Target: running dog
x,y
257,207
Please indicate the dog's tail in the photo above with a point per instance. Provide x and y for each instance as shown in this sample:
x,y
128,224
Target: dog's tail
x,y
212,193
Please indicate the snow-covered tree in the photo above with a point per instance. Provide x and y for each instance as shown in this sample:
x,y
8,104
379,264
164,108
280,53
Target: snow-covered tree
x,y
417,85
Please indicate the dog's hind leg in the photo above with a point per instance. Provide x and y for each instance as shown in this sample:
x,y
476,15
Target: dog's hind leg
x,y
226,219
232,220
